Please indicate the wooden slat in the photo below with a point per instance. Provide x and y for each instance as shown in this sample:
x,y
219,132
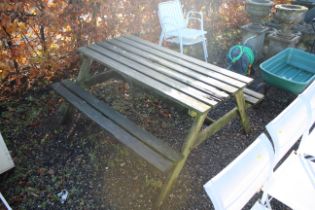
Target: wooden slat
x,y
185,75
253,93
124,122
221,81
173,94
193,60
102,77
252,97
216,126
120,134
193,92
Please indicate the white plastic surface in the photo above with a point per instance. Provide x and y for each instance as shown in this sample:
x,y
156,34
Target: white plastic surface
x,y
307,145
235,185
288,127
6,161
292,184
308,96
171,16
174,26
187,33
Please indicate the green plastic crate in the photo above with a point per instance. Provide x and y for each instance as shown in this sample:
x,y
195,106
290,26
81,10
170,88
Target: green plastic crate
x,y
291,69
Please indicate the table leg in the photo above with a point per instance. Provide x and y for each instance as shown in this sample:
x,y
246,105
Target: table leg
x,y
187,147
241,105
84,75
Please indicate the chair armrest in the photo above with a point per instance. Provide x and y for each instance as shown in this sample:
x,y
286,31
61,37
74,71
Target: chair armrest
x,y
195,15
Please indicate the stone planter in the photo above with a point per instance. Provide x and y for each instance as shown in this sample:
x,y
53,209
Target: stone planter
x,y
257,10
289,15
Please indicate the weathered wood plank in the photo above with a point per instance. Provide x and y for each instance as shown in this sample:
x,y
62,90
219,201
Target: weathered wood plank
x,y
224,120
193,60
183,74
215,126
251,99
254,94
124,122
102,77
185,100
241,106
186,149
120,134
225,83
84,73
193,92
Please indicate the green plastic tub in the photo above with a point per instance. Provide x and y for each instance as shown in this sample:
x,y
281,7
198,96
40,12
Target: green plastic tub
x,y
291,69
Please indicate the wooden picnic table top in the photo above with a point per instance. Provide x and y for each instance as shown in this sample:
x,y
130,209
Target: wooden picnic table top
x,y
193,83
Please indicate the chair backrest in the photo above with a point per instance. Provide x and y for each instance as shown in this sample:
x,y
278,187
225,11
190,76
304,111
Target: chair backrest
x,y
236,184
308,96
171,16
307,144
286,129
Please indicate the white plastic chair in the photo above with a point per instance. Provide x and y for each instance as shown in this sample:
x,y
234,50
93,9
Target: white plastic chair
x,y
175,26
236,184
308,96
286,129
293,183
307,145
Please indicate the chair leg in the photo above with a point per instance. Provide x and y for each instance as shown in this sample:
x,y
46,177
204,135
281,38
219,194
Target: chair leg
x,y
161,39
205,50
265,200
181,45
5,202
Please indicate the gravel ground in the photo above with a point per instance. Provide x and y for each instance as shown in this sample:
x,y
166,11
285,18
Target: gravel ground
x,y
100,173
96,170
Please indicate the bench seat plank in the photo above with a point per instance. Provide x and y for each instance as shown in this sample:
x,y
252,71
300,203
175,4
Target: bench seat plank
x,y
119,133
124,122
252,96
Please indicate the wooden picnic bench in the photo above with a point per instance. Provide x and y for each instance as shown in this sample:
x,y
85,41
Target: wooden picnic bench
x,y
194,84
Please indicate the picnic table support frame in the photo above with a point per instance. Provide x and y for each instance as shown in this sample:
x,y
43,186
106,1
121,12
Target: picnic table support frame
x,y
102,77
138,61
185,151
84,75
241,105
215,126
